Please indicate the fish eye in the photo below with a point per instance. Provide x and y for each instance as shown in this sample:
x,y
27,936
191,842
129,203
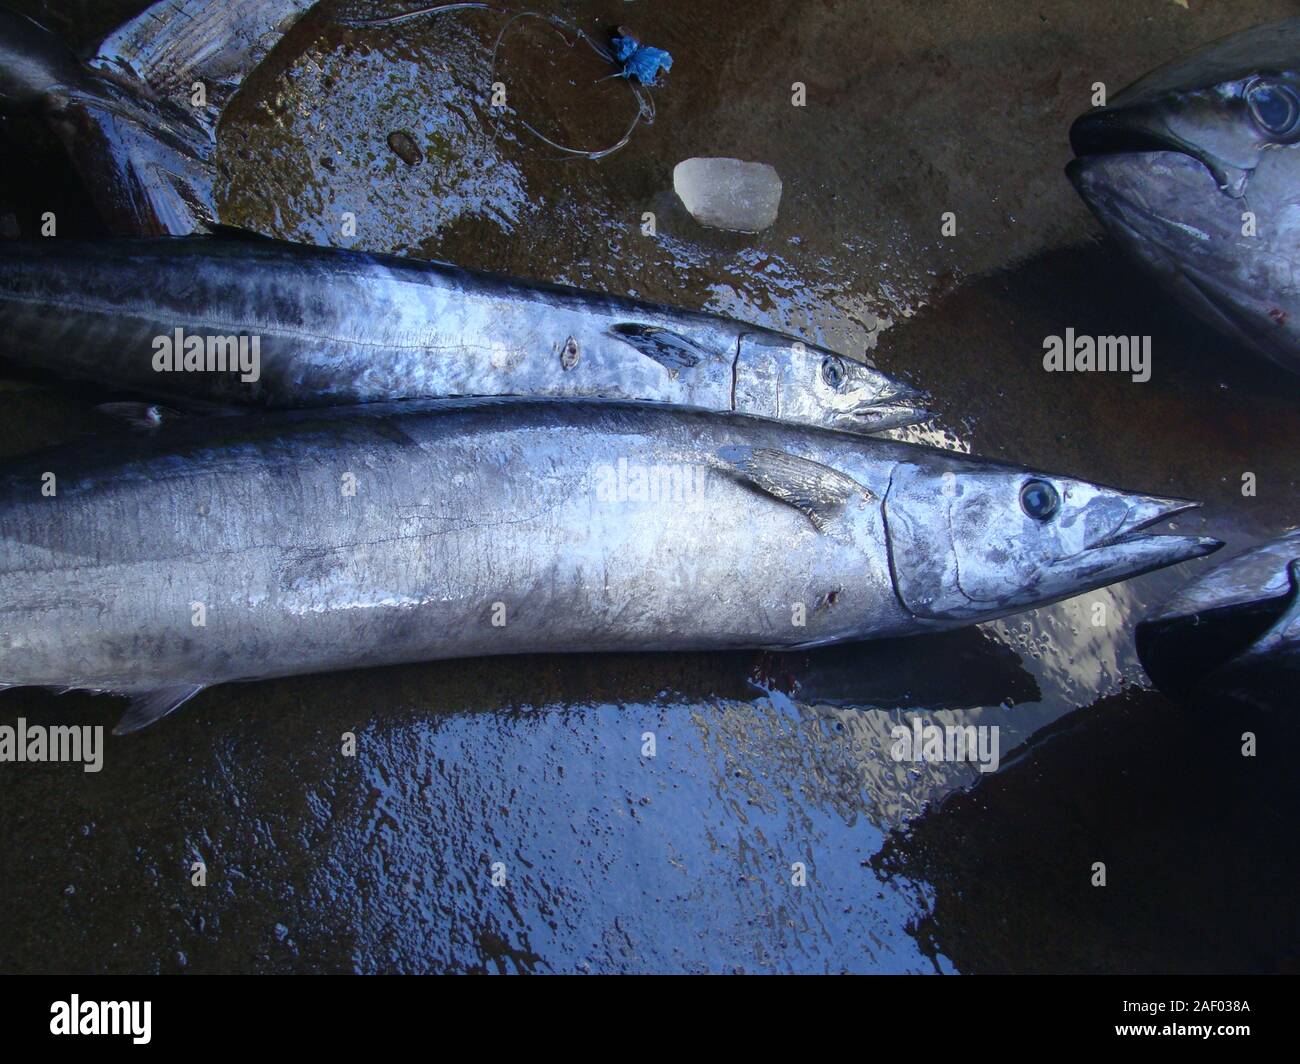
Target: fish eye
x,y
1039,499
834,372
1274,106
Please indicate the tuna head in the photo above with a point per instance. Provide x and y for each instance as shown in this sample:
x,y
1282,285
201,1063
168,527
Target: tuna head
x,y
1195,170
789,380
970,541
1238,622
36,68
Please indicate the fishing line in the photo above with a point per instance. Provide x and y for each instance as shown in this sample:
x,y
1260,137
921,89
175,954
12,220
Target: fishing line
x,y
645,104
407,16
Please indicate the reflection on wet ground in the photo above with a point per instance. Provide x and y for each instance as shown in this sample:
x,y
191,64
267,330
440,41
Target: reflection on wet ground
x,y
1163,799
536,770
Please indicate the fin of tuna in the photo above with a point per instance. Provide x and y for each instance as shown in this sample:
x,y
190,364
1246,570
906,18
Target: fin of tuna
x,y
143,141
150,706
815,490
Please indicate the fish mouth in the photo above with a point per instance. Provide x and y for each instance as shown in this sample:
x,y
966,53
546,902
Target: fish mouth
x,y
1144,197
1119,131
1130,545
894,406
1141,131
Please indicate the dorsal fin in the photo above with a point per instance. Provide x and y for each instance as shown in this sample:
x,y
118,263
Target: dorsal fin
x,y
815,490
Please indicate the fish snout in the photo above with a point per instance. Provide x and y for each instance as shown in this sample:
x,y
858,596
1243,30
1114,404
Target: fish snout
x,y
1141,512
1141,131
1130,544
1120,130
892,404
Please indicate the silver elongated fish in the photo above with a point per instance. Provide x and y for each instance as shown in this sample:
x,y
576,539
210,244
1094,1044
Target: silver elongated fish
x,y
127,116
1232,625
332,326
308,541
1195,171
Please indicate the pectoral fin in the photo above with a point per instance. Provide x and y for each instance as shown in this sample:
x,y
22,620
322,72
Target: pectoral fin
x,y
671,350
815,490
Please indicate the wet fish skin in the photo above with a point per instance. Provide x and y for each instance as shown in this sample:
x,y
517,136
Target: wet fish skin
x,y
1172,165
500,527
1235,623
336,326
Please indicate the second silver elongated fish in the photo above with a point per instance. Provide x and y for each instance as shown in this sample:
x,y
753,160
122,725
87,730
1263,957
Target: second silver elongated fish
x,y
282,544
328,326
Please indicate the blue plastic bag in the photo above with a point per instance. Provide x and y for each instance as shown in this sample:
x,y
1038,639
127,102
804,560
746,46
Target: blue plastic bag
x,y
640,61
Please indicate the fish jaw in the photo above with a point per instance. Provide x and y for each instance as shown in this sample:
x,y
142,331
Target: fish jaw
x,y
1145,199
894,405
1124,550
1130,549
1147,130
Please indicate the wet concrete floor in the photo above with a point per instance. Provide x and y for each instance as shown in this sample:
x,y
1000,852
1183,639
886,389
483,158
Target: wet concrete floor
x,y
533,768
